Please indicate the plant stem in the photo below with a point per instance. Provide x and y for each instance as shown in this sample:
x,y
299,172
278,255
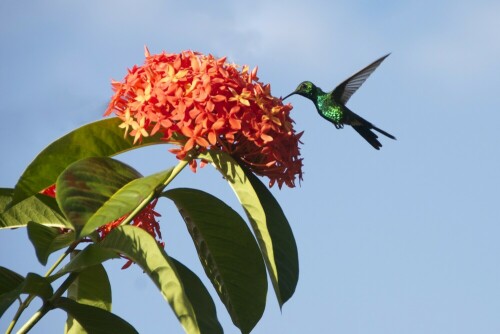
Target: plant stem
x,y
47,305
70,249
24,305
180,166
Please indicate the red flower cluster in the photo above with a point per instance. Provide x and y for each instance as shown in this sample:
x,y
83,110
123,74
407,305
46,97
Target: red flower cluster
x,y
201,103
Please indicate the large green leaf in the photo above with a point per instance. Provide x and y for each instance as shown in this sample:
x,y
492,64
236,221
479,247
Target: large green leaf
x,y
87,184
9,283
92,288
200,298
47,240
38,208
93,319
285,251
9,280
268,222
5,197
90,256
143,249
33,284
95,191
99,139
228,253
127,199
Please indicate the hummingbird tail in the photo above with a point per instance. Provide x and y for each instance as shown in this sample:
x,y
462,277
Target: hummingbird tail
x,y
383,132
369,135
364,128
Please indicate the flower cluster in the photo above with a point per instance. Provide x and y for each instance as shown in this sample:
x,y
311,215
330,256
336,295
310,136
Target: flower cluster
x,y
200,103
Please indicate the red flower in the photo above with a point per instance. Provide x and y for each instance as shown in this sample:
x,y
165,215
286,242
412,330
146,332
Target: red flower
x,y
203,103
49,191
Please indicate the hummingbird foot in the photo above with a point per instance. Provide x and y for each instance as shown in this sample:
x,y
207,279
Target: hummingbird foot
x,y
338,126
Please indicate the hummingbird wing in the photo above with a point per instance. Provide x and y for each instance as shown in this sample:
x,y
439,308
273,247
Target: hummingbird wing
x,y
344,91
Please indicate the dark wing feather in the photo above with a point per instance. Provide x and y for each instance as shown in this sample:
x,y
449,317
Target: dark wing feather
x,y
344,91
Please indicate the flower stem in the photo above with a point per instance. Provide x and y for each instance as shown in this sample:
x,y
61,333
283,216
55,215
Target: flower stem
x,y
180,166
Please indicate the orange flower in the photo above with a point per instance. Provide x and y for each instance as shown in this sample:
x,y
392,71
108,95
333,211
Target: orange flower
x,y
206,103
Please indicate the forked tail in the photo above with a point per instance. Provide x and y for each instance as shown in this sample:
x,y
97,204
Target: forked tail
x,y
364,128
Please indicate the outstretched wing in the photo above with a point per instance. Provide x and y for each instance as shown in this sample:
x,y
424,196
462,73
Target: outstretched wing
x,y
344,91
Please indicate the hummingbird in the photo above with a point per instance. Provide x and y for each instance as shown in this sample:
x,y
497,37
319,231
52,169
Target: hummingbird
x,y
332,106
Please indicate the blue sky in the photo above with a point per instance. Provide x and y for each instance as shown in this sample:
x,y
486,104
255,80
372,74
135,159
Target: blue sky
x,y
401,240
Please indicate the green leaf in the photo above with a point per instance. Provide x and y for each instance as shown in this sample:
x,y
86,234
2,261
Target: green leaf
x,y
95,191
47,240
126,199
94,319
87,184
90,256
9,283
33,284
142,248
5,197
228,253
200,298
9,280
285,251
99,139
7,299
268,222
38,208
92,288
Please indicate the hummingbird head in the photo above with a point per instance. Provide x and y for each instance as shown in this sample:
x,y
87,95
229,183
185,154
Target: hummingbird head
x,y
306,89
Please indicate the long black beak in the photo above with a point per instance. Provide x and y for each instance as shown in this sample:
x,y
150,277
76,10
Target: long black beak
x,y
289,95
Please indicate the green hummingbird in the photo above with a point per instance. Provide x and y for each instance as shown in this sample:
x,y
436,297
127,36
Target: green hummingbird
x,y
332,105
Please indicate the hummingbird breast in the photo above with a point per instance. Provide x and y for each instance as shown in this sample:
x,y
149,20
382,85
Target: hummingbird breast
x,y
330,110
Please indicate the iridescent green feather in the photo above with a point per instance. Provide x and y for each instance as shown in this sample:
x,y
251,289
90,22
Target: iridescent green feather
x,y
329,109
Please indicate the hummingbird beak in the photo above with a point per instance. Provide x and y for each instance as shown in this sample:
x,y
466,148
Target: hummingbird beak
x,y
292,93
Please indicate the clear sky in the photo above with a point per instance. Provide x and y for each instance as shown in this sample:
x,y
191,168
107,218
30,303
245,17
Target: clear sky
x,y
401,240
